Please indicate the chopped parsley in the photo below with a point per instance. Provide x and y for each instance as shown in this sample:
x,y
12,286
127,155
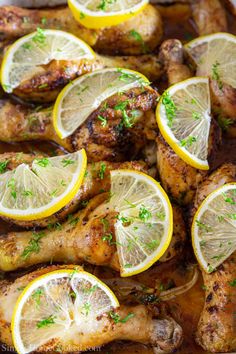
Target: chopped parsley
x,y
3,166
103,121
73,220
40,36
12,185
216,75
188,142
66,162
218,257
224,123
196,115
44,20
203,226
108,238
170,107
210,269
233,282
27,46
103,4
137,36
44,162
117,319
37,296
86,308
127,121
55,226
152,245
46,322
42,86
161,215
102,170
27,193
228,199
33,245
144,214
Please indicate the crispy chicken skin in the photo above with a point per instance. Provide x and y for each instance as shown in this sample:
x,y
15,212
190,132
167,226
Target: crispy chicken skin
x,y
91,186
209,16
77,240
179,179
112,142
16,22
217,325
224,105
45,85
224,174
163,333
21,123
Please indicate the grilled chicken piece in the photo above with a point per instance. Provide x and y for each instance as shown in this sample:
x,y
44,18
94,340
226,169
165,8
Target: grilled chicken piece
x,y
121,39
179,179
45,85
77,240
224,174
217,325
209,16
172,56
162,333
93,184
224,105
113,142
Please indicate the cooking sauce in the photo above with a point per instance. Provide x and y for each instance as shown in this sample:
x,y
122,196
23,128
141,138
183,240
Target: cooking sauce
x,y
185,309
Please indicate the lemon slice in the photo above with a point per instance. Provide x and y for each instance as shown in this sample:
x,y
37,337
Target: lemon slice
x,y
32,193
145,221
26,57
183,117
214,228
84,95
105,13
62,307
215,56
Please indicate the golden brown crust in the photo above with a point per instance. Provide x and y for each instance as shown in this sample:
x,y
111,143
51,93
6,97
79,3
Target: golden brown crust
x,y
178,179
115,142
217,327
16,22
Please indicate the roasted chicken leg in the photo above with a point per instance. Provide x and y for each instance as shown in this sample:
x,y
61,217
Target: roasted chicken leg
x,y
93,184
178,178
114,142
79,239
163,333
217,325
16,22
45,84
